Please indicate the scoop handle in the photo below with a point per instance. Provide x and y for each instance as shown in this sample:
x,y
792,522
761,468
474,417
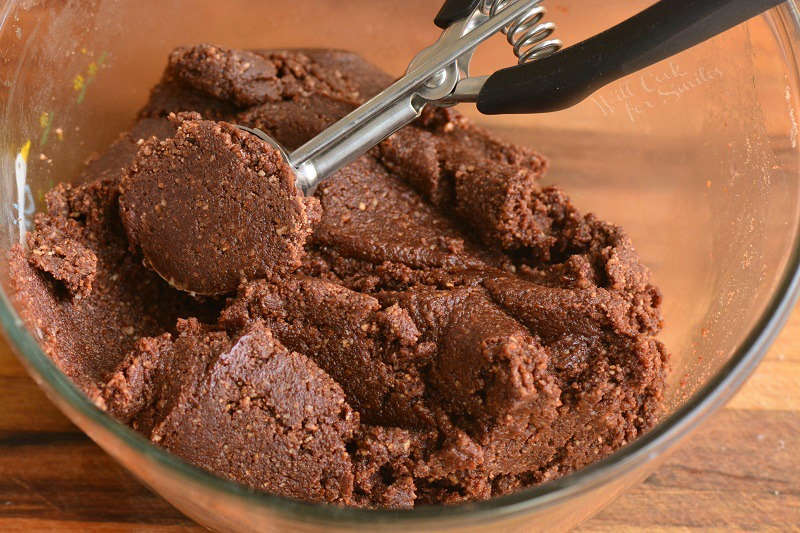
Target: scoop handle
x,y
454,10
567,77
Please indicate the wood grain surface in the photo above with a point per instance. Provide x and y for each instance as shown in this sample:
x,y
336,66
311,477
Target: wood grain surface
x,y
740,471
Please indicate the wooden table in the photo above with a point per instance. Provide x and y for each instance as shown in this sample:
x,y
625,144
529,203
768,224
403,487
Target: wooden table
x,y
740,471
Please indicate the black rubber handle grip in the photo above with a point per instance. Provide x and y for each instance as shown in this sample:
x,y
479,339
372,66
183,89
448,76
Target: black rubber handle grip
x,y
454,10
567,77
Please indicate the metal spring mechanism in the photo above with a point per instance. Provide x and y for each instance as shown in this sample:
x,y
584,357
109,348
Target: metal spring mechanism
x,y
527,34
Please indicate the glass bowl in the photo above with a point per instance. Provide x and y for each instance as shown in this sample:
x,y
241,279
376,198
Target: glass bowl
x,y
697,157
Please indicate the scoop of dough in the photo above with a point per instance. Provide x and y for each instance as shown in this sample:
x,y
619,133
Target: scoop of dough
x,y
212,206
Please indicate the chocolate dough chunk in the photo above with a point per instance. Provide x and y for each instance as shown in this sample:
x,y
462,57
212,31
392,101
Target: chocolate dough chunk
x,y
369,215
492,186
212,206
64,258
218,82
370,351
393,467
297,120
487,372
247,78
486,366
247,408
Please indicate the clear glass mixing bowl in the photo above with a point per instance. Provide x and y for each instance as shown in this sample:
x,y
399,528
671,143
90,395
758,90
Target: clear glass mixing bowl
x,y
697,158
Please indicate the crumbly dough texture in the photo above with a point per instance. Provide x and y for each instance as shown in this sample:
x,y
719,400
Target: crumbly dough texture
x,y
446,330
213,205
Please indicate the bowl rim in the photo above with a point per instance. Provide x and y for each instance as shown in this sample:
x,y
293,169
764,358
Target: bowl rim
x,y
715,393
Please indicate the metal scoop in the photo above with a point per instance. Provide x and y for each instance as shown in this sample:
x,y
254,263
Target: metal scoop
x,y
545,80
435,76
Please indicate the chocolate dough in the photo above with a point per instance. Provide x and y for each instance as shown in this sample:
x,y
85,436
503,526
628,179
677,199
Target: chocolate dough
x,y
213,205
437,327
